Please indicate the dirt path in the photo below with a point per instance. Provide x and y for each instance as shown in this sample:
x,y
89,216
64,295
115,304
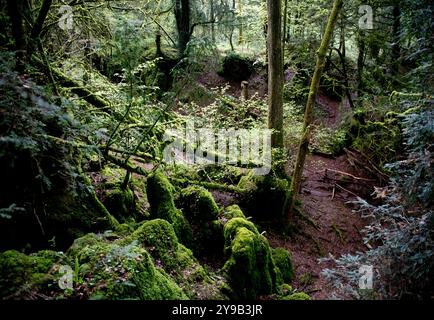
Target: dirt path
x,y
325,196
324,202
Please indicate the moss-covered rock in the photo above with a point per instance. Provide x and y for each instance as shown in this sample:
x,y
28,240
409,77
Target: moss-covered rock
x,y
198,204
265,197
250,269
202,213
297,296
21,273
113,271
159,238
283,261
160,196
233,211
236,67
120,203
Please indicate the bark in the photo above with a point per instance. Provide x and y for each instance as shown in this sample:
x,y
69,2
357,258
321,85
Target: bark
x,y
15,11
304,143
182,16
275,73
396,48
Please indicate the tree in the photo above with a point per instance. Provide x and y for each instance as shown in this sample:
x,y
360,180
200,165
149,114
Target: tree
x,y
183,23
304,143
275,72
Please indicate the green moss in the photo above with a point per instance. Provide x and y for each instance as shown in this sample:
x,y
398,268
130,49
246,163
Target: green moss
x,y
233,211
21,273
198,204
120,203
297,296
250,269
283,261
265,197
160,197
231,228
115,271
159,238
90,239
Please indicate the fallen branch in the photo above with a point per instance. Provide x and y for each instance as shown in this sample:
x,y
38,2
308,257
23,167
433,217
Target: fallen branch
x,y
346,190
348,175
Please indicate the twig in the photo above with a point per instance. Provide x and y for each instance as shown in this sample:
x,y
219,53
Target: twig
x,y
348,191
348,175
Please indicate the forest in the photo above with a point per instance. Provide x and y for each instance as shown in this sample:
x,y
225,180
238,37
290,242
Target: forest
x,y
216,150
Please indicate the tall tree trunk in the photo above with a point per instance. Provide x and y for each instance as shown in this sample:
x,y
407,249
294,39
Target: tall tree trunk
x,y
360,61
304,143
241,27
396,48
182,16
16,14
37,26
212,17
275,73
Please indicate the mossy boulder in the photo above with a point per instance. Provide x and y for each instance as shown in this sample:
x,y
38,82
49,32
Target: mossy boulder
x,y
297,296
120,203
20,274
233,211
112,271
160,240
283,261
236,67
198,204
202,213
250,268
161,200
265,197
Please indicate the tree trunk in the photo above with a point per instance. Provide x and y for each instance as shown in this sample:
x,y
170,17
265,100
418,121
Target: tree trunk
x,y
182,16
16,14
360,62
212,17
396,47
304,144
37,26
241,27
275,73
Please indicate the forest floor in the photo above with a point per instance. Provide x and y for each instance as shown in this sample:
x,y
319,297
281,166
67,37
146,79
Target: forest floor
x,y
325,198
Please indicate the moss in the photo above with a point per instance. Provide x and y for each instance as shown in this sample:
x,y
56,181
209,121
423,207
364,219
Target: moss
x,y
233,211
21,273
297,296
120,203
265,197
231,228
160,197
115,271
250,269
198,204
236,67
88,240
159,238
283,261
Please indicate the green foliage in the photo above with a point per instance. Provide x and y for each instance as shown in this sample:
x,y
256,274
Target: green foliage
x,y
41,158
404,257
